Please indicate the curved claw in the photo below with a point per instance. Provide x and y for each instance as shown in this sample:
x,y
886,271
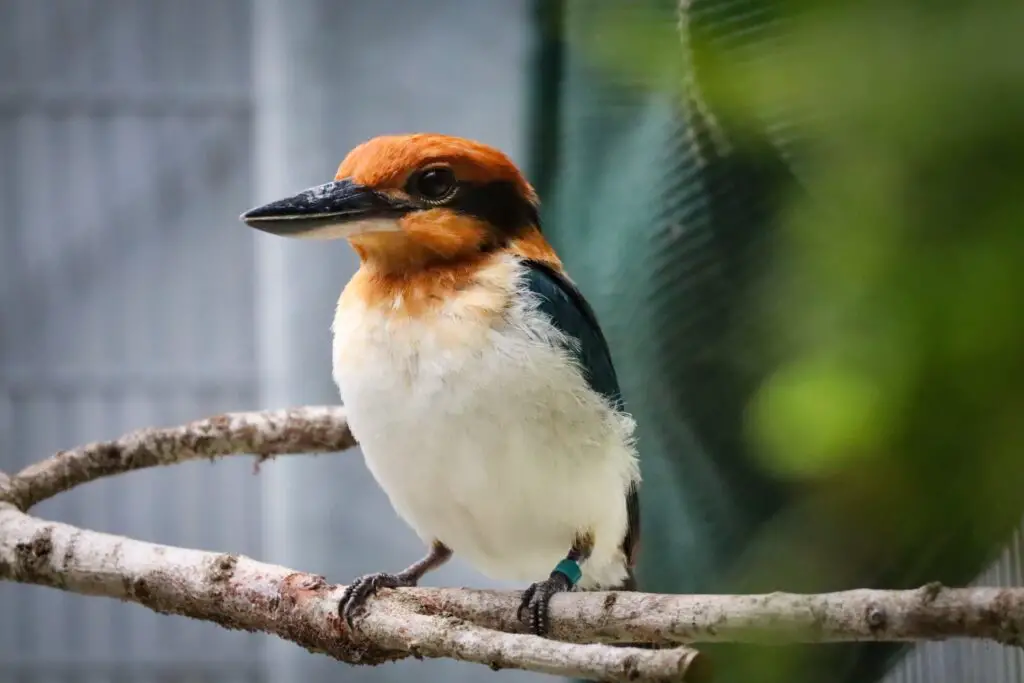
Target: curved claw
x,y
360,590
536,599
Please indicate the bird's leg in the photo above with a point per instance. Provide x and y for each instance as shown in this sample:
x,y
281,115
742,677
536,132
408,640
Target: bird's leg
x,y
363,587
534,606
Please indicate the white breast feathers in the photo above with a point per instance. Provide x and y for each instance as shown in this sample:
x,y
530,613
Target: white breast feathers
x,y
475,420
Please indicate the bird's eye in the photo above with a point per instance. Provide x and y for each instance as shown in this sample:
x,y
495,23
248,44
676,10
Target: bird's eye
x,y
435,185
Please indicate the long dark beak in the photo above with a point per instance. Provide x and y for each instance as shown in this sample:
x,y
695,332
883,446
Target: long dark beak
x,y
340,208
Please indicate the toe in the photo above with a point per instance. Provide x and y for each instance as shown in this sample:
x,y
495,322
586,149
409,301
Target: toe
x,y
536,602
525,605
348,600
355,600
356,594
539,613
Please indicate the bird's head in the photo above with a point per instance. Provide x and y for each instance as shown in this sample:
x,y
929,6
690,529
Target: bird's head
x,y
407,201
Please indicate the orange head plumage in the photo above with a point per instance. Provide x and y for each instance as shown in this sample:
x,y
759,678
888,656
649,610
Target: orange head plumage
x,y
409,202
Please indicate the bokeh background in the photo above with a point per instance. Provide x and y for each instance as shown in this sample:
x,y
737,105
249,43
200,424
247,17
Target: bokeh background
x,y
799,221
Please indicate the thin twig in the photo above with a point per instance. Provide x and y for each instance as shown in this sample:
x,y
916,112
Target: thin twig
x,y
311,429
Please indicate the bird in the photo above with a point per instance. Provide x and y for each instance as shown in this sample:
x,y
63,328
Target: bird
x,y
474,374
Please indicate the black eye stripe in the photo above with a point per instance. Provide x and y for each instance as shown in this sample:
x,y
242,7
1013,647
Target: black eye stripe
x,y
497,203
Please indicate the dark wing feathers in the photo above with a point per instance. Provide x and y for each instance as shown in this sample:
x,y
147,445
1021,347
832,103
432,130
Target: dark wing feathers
x,y
572,315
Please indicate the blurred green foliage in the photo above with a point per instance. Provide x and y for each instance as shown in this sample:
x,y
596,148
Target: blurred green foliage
x,y
858,320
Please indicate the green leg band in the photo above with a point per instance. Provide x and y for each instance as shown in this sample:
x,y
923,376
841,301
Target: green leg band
x,y
570,569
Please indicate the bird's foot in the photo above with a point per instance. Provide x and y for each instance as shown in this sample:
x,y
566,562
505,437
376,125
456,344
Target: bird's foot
x,y
357,592
534,607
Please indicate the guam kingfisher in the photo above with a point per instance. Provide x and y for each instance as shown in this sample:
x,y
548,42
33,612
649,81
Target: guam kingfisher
x,y
473,372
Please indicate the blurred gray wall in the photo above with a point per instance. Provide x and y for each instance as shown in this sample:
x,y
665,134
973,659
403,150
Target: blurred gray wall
x,y
126,301
132,134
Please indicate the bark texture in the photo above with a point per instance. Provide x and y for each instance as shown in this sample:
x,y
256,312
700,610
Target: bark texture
x,y
471,625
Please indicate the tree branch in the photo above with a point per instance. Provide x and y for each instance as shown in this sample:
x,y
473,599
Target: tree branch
x,y
313,429
471,625
239,593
